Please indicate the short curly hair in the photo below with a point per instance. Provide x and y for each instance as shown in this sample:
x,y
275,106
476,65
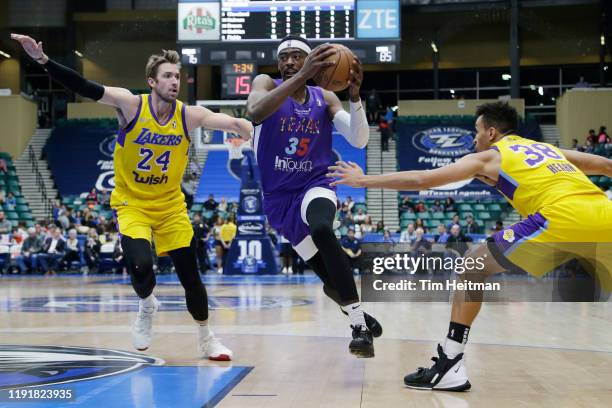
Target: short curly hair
x,y
499,115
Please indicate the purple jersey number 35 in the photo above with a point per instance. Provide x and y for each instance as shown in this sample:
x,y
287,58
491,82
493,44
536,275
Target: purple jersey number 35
x,y
536,153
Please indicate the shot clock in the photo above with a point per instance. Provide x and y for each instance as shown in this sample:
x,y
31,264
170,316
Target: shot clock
x,y
237,78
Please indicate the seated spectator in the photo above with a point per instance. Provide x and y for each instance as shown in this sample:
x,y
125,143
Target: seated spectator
x,y
5,225
234,209
387,237
589,147
449,204
222,205
408,235
349,203
442,235
455,221
104,196
343,212
407,205
92,250
348,220
358,232
53,251
437,207
16,236
100,225
10,199
3,166
420,207
499,226
418,223
602,137
582,83
30,249
210,204
367,226
591,137
380,227
352,248
420,245
119,258
471,227
360,217
73,250
575,145
457,242
92,197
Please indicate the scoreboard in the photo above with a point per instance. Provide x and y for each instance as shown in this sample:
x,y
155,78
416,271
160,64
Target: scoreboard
x,y
237,79
217,31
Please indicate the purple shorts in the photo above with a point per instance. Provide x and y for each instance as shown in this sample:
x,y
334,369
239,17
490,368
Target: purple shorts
x,y
284,212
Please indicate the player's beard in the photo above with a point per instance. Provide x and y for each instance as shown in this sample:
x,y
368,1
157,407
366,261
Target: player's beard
x,y
167,97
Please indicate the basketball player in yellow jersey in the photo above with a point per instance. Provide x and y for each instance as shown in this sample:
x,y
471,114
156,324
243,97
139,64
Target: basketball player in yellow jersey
x,y
566,216
150,158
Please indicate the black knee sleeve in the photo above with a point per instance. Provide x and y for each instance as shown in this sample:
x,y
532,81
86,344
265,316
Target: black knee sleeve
x,y
139,262
186,265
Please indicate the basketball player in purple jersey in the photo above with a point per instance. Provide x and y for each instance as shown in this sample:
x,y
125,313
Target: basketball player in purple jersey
x,y
293,147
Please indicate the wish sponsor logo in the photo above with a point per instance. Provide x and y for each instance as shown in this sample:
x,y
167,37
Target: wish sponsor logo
x,y
251,228
289,165
147,137
444,141
150,180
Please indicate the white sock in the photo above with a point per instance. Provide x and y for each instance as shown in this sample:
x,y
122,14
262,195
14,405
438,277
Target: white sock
x,y
452,349
355,314
148,302
205,330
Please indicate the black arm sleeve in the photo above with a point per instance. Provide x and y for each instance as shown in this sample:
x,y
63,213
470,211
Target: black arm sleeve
x,y
73,81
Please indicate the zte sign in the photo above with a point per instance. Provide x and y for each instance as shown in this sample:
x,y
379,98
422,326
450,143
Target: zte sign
x,y
378,19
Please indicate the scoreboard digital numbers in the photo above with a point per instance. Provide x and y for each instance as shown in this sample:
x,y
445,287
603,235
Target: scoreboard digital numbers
x,y
237,79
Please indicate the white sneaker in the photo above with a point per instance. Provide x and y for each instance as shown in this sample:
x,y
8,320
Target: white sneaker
x,y
212,348
219,271
284,271
290,271
141,332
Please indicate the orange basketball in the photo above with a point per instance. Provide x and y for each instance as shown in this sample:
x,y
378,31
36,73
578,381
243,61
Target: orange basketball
x,y
335,77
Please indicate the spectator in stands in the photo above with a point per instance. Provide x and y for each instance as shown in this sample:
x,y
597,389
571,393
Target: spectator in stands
x,y
63,220
589,147
387,238
201,233
352,248
360,217
222,205
211,204
92,250
92,197
228,230
367,226
471,227
385,134
101,225
41,232
380,227
582,83
78,218
349,203
389,118
407,205
457,242
499,226
3,166
408,235
73,250
53,251
455,221
420,245
10,199
591,137
437,207
575,145
602,137
358,233
119,258
442,236
2,196
373,104
16,236
104,197
234,209
348,220
449,204
418,223
286,255
30,249
420,207
343,212
5,225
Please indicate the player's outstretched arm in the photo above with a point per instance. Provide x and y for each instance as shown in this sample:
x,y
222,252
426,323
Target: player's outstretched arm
x,y
199,116
470,166
265,98
589,164
117,97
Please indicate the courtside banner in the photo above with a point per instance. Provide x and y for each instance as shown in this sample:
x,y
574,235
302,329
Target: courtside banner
x,y
427,147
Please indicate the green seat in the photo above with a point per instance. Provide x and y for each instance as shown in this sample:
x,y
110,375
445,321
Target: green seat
x,y
404,223
196,207
26,216
494,207
29,224
483,216
479,207
363,206
408,216
21,201
67,200
14,223
465,208
2,183
22,208
433,223
605,181
8,207
12,216
424,215
438,216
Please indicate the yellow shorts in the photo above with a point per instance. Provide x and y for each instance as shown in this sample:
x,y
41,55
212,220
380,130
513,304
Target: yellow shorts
x,y
580,228
168,229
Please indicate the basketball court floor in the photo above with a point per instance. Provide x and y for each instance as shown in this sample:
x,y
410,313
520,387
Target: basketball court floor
x,y
290,348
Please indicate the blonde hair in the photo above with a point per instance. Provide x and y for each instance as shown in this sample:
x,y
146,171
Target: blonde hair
x,y
156,60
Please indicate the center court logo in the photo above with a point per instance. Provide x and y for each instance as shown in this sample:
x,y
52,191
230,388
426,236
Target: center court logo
x,y
27,366
444,141
289,165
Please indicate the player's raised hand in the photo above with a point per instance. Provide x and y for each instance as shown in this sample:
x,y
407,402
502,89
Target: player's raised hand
x,y
315,61
32,48
246,130
349,174
355,79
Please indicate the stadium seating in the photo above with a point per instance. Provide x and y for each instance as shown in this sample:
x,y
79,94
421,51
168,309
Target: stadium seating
x,y
9,182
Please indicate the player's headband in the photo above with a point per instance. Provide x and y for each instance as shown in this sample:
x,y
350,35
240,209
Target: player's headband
x,y
300,45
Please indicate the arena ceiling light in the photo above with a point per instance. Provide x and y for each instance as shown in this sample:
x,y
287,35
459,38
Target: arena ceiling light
x,y
506,77
541,91
5,55
78,53
602,40
434,47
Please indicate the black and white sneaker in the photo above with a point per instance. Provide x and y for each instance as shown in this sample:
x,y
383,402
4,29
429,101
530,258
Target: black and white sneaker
x,y
444,375
371,323
362,344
